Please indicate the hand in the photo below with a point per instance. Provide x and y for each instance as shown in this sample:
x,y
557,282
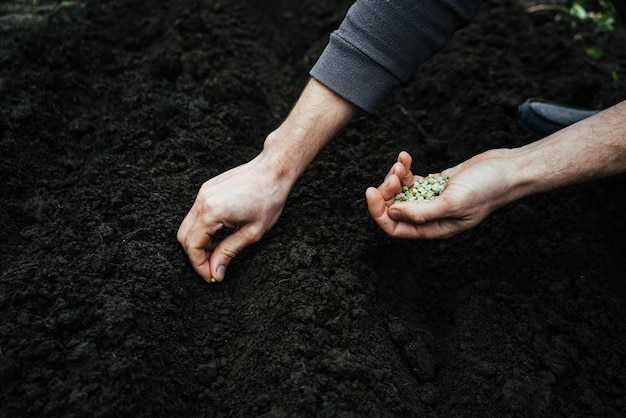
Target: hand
x,y
247,199
250,198
476,188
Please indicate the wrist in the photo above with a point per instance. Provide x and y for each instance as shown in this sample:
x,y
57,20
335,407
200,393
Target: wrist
x,y
530,172
504,175
316,118
279,160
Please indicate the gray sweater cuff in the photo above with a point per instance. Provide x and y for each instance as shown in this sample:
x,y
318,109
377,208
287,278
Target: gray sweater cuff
x,y
353,75
380,44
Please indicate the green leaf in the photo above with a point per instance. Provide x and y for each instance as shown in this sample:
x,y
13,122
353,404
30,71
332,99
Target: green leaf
x,y
578,11
595,52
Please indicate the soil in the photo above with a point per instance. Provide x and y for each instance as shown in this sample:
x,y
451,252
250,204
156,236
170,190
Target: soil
x,y
113,113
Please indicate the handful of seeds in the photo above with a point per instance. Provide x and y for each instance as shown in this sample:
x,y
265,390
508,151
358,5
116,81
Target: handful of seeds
x,y
426,188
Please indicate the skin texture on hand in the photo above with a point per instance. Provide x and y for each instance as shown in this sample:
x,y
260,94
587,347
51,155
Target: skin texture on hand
x,y
463,204
588,150
248,200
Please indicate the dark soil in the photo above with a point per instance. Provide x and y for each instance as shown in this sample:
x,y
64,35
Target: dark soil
x,y
113,113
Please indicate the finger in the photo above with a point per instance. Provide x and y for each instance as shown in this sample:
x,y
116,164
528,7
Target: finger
x,y
390,187
419,213
402,166
229,247
402,169
396,169
405,159
375,203
419,221
194,246
400,228
198,243
186,224
428,220
199,259
377,208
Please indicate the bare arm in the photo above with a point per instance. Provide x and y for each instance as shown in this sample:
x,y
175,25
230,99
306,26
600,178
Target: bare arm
x,y
591,149
316,118
249,199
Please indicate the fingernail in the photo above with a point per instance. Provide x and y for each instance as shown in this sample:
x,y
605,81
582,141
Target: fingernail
x,y
221,270
394,213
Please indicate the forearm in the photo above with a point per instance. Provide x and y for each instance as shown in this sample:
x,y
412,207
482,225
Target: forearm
x,y
380,44
591,149
317,117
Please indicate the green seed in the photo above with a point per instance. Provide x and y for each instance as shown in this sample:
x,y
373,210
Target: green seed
x,y
423,189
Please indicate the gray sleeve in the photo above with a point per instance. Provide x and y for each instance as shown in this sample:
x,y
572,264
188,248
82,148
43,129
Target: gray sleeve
x,y
381,43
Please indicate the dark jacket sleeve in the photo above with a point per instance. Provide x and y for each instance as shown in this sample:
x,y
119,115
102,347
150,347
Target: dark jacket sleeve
x,y
381,43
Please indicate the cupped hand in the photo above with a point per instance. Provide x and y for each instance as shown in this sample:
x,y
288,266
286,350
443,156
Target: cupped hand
x,y
247,200
475,188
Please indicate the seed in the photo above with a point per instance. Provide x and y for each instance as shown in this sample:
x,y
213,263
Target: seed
x,y
423,189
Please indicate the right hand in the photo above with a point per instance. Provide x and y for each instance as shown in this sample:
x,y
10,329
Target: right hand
x,y
476,188
247,200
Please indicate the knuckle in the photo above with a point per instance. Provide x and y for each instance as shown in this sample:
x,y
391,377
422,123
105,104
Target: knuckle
x,y
180,237
229,252
253,233
207,207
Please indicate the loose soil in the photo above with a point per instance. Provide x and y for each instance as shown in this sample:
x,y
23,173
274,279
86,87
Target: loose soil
x,y
113,113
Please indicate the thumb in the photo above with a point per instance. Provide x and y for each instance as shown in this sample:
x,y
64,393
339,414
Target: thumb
x,y
419,213
228,248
